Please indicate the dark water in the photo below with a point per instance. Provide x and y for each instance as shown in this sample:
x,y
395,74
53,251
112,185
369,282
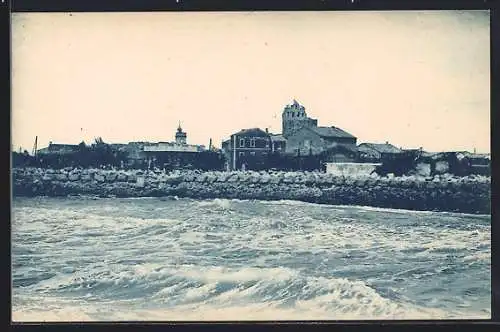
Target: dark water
x,y
158,259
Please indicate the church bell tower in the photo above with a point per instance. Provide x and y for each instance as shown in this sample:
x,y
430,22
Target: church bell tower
x,y
180,136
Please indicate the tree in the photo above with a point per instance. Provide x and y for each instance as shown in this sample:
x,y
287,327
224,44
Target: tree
x,y
100,152
82,146
99,141
83,156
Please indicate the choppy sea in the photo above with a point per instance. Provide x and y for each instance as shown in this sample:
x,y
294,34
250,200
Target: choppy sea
x,y
80,259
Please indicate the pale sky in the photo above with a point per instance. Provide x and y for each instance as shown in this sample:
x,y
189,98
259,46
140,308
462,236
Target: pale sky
x,y
411,78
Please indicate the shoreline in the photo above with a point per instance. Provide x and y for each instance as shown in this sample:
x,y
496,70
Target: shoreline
x,y
237,200
444,193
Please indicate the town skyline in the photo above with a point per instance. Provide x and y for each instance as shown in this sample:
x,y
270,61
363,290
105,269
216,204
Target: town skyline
x,y
414,79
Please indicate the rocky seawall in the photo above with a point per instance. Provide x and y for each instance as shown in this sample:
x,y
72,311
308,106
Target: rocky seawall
x,y
440,193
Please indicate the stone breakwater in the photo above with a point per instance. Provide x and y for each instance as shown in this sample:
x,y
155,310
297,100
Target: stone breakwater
x,y
440,193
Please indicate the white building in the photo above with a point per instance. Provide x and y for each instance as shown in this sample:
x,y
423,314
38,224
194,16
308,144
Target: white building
x,y
180,144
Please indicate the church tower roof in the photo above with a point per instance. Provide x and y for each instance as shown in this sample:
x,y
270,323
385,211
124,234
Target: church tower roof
x,y
294,106
180,136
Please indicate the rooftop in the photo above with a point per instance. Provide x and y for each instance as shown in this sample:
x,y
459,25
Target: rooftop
x,y
331,132
57,145
382,148
252,131
277,138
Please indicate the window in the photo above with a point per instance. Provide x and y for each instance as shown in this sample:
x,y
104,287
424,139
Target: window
x,y
241,154
252,142
242,142
252,153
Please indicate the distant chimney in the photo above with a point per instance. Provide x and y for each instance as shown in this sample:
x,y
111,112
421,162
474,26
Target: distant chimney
x,y
387,142
267,131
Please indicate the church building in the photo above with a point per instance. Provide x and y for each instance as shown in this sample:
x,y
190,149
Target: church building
x,y
305,137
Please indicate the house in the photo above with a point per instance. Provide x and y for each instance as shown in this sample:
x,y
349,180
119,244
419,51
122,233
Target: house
x,y
374,152
248,146
340,153
316,140
59,149
479,163
135,151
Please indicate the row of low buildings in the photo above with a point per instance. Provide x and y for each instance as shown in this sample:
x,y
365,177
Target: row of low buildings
x,y
176,151
300,136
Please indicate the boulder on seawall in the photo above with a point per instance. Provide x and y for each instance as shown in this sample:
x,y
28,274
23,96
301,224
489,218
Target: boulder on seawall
x,y
443,193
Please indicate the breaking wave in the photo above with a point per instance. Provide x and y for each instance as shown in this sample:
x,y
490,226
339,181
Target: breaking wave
x,y
153,259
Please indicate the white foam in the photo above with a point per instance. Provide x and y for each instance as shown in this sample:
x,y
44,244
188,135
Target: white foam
x,y
147,269
222,274
198,292
248,312
61,315
329,298
478,257
404,211
290,233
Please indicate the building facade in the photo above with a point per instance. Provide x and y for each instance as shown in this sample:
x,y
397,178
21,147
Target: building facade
x,y
161,154
178,146
317,140
246,147
278,143
341,153
172,147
